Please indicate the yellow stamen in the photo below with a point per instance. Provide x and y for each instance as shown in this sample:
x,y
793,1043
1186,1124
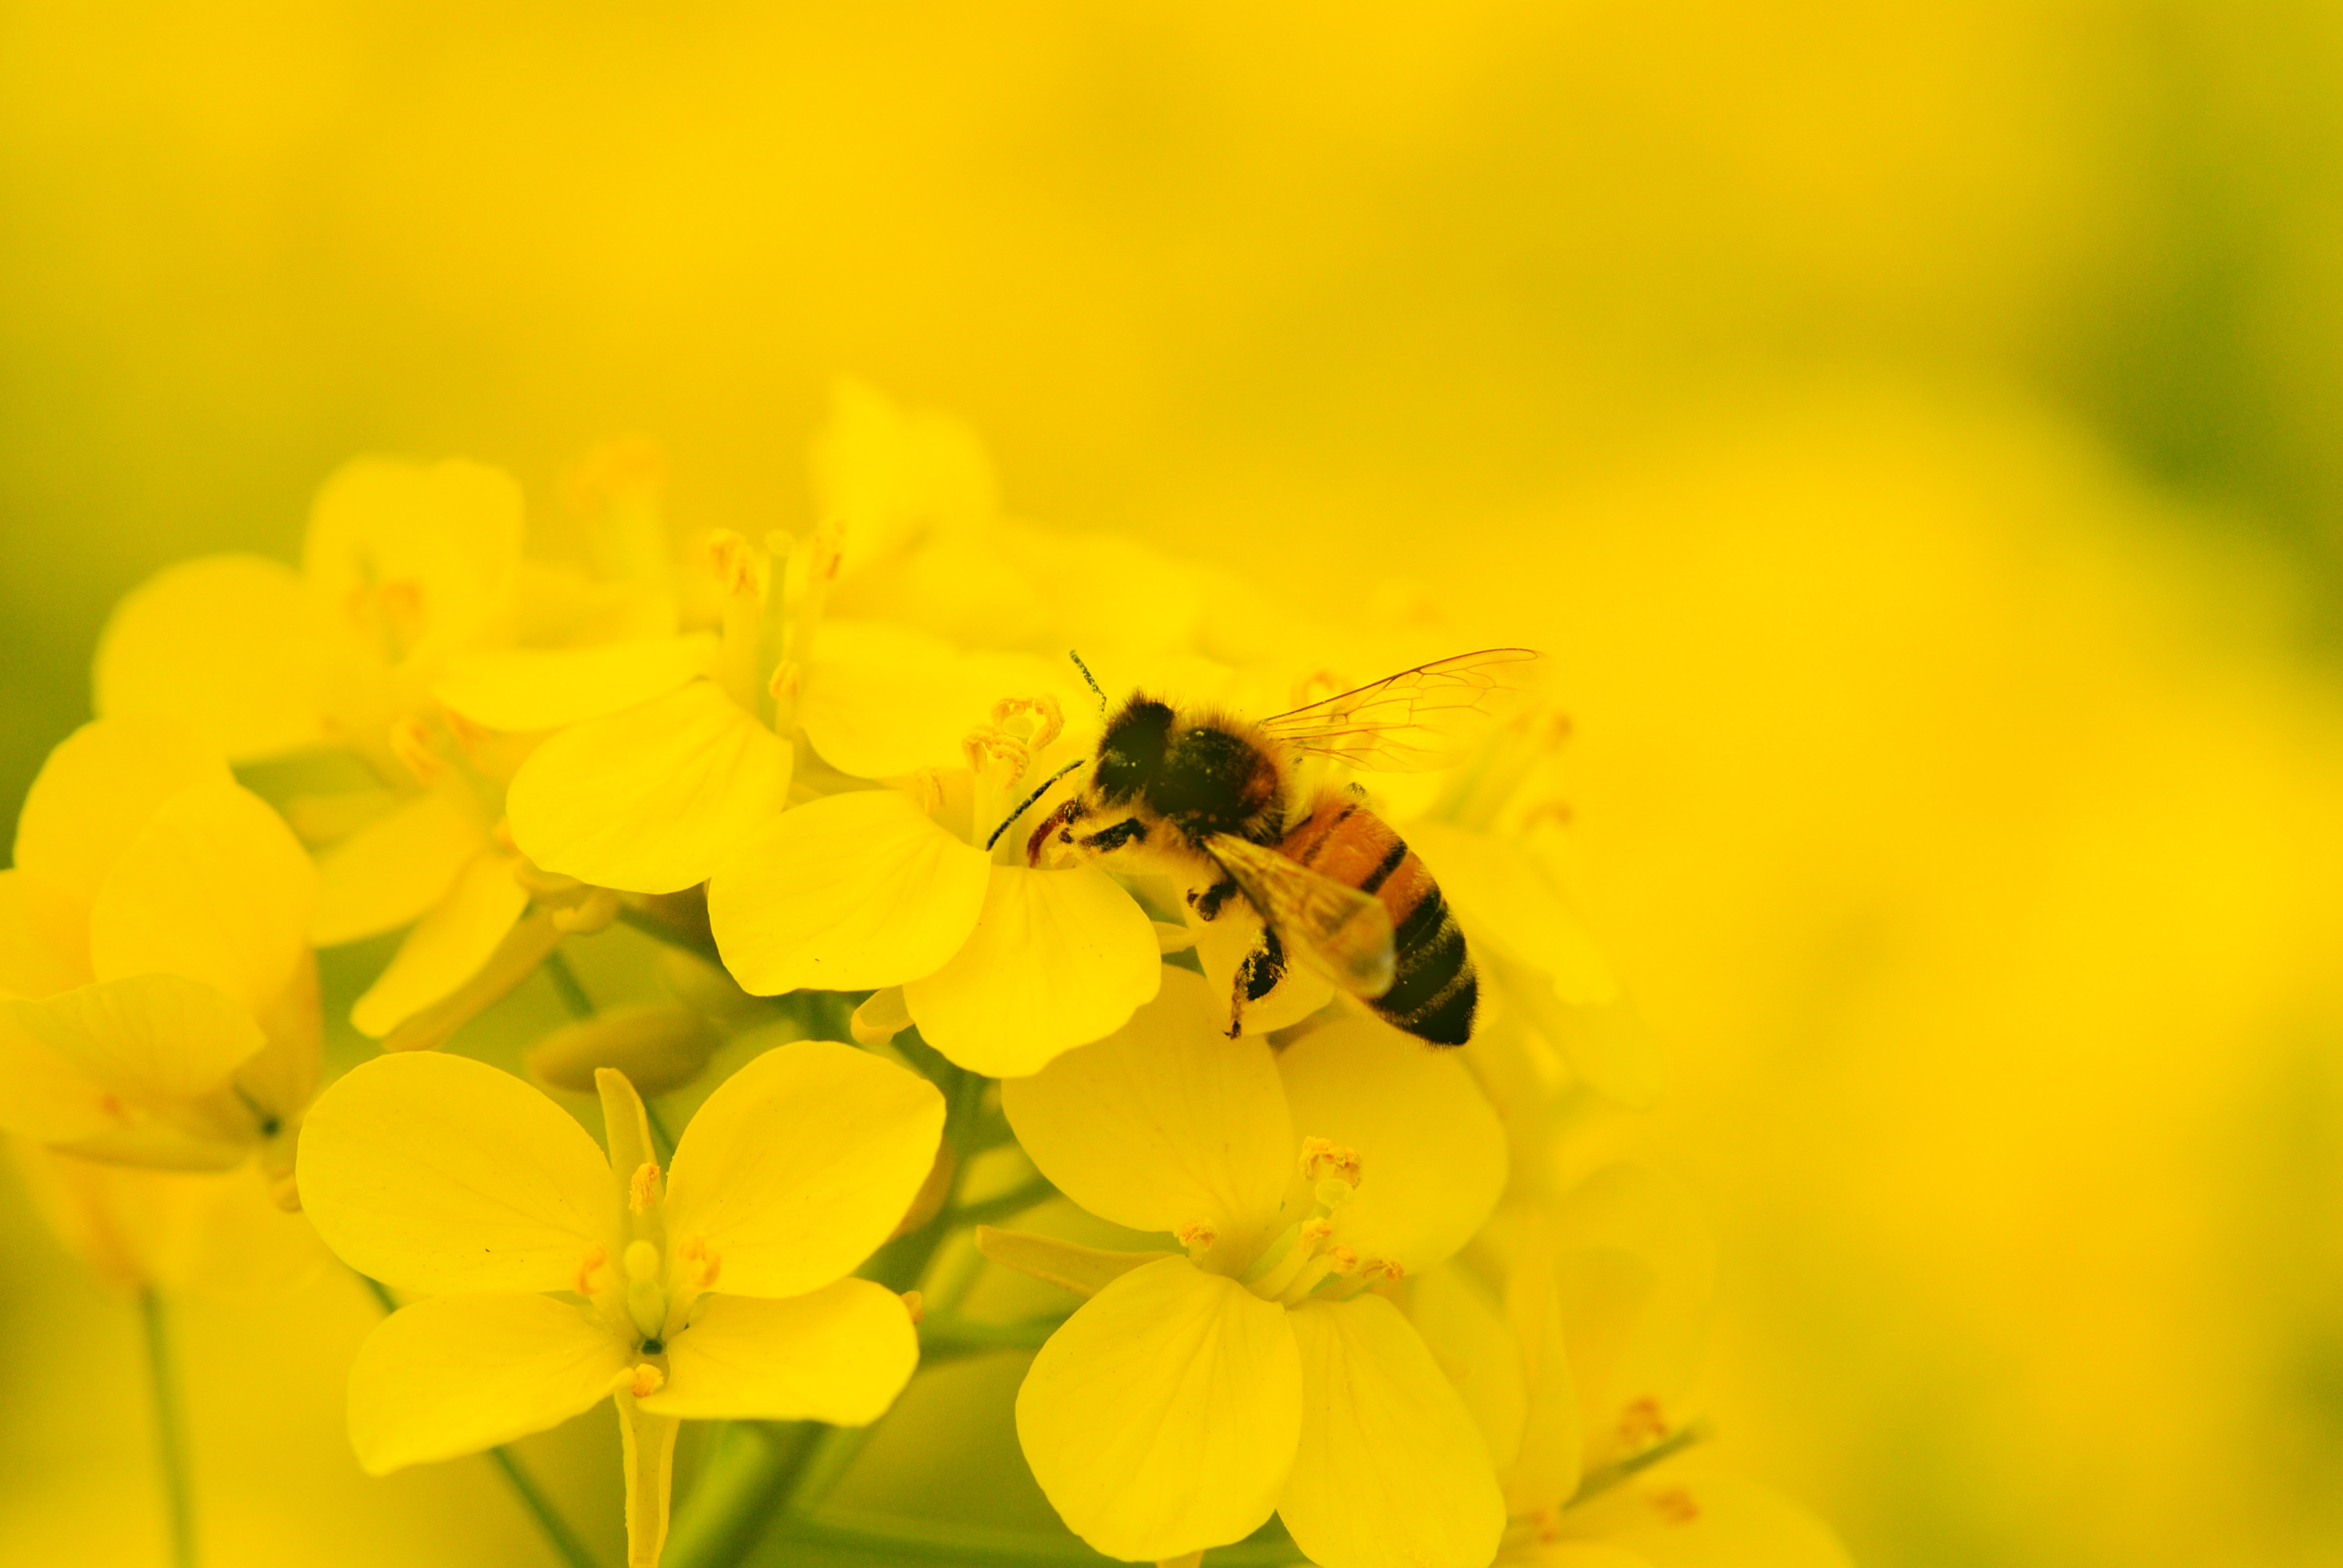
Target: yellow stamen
x,y
1197,1236
734,560
642,1191
701,1263
588,1266
647,1381
1321,1156
410,742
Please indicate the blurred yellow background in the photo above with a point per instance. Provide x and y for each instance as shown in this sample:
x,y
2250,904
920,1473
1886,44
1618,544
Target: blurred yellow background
x,y
1914,430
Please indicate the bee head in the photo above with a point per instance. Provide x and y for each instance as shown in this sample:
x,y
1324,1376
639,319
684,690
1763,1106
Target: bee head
x,y
1130,751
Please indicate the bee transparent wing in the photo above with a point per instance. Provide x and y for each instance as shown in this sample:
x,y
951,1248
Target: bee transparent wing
x,y
1416,721
1342,933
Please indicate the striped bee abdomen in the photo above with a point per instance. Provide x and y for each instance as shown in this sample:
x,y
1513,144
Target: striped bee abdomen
x,y
1433,991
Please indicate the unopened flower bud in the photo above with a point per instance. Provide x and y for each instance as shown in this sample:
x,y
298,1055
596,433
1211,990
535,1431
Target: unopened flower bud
x,y
659,1046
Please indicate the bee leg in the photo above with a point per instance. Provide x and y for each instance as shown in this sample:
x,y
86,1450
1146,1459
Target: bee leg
x,y
1207,904
1256,978
1107,841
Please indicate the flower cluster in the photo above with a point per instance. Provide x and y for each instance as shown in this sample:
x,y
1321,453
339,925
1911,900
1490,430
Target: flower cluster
x,y
777,815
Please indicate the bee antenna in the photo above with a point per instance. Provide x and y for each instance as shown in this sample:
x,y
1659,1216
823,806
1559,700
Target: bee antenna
x,y
1028,800
1087,676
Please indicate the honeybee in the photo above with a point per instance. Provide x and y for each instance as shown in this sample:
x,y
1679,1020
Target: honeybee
x,y
1336,888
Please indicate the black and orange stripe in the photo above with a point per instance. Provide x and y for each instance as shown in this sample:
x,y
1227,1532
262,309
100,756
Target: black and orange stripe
x,y
1434,992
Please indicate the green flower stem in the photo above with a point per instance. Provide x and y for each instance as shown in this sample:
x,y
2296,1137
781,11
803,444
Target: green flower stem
x,y
1596,1483
987,1211
742,1484
558,1533
565,1545
945,1334
565,980
170,1430
661,1138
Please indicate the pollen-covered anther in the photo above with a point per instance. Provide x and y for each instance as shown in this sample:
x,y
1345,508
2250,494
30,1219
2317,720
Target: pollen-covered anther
x,y
410,742
987,744
787,680
1314,1231
734,560
1675,1505
642,1191
647,1381
1343,1260
701,1263
1197,1236
591,1265
1324,1157
1642,1423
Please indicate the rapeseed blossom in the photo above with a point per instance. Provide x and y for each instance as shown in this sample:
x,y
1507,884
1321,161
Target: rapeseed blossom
x,y
1389,1307
396,643
162,1006
1002,965
1190,1396
445,1177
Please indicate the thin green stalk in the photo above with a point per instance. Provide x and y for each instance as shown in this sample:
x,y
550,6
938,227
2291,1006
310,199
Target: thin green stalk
x,y
1596,1483
170,1430
558,1533
566,1546
660,1136
946,1334
565,980
986,1210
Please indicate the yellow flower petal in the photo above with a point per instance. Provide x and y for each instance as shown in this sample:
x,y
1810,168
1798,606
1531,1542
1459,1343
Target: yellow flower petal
x,y
839,1355
1058,958
448,945
436,1174
1470,1340
457,1374
653,799
882,701
215,887
800,1163
1432,1152
1634,1275
232,645
395,868
1390,1472
98,787
849,892
214,1234
1607,1046
531,688
1163,1123
49,1099
448,534
1696,1515
1545,1470
44,948
1163,1418
151,1039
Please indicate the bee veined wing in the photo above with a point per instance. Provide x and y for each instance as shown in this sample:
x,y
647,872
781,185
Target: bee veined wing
x,y
1342,933
1418,720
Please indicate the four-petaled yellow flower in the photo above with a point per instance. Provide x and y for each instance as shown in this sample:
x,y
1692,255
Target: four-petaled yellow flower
x,y
1190,1396
158,1002
411,595
1003,965
554,1277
